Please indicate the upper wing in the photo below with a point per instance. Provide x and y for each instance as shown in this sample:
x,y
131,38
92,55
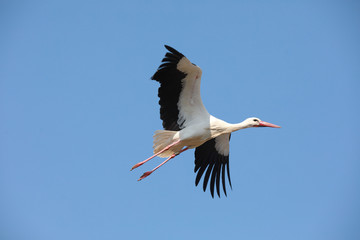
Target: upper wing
x,y
179,91
213,155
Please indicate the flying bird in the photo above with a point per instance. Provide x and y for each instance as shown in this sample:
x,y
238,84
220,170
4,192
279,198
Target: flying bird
x,y
187,124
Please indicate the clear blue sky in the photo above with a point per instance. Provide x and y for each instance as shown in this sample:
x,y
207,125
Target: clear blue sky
x,y
77,110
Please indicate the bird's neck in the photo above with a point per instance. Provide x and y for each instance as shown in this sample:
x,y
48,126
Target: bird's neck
x,y
238,126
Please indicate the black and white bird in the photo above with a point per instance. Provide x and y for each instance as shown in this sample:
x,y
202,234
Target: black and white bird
x,y
187,124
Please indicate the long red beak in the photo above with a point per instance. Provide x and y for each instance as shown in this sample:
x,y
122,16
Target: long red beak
x,y
266,124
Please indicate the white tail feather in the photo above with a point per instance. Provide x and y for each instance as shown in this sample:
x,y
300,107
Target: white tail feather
x,y
162,139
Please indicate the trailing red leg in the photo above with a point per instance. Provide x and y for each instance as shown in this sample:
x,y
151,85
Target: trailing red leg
x,y
163,150
150,172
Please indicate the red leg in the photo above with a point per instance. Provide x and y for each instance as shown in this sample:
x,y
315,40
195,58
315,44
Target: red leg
x,y
166,148
150,172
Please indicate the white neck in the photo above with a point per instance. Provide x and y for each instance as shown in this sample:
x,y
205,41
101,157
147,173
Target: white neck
x,y
238,126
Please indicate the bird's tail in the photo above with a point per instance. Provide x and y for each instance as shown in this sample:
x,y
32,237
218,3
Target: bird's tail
x,y
162,139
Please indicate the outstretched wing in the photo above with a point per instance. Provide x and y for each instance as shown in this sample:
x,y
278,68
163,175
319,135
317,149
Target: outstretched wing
x,y
179,91
213,156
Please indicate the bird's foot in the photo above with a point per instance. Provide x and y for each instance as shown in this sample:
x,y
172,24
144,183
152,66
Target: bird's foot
x,y
137,165
145,175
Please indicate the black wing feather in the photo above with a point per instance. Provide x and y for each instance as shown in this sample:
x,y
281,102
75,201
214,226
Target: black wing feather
x,y
209,159
228,173
218,171
213,178
170,88
223,178
200,163
207,175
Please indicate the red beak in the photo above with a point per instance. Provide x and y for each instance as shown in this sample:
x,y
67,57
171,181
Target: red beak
x,y
266,124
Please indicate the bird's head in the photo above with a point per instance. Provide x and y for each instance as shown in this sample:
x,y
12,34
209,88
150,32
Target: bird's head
x,y
256,122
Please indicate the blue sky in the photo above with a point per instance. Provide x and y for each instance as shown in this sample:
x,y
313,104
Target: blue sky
x,y
78,110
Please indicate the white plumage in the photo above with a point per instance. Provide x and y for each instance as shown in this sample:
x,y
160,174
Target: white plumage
x,y
187,124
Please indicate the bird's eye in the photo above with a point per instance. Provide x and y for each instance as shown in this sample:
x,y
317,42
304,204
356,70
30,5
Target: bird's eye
x,y
255,120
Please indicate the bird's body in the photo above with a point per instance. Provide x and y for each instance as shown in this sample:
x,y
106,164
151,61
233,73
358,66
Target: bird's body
x,y
187,124
194,135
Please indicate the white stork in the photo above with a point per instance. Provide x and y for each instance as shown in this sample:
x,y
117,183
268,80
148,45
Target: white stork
x,y
187,124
